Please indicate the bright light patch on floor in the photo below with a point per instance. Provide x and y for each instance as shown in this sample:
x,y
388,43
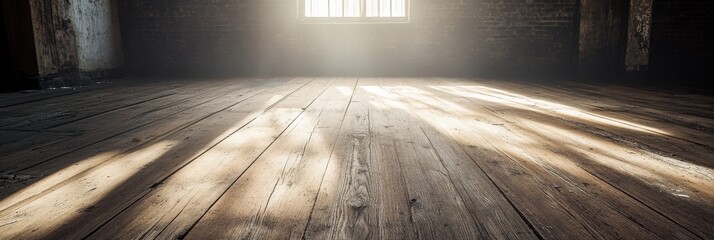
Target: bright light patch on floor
x,y
345,91
70,199
53,179
538,105
428,108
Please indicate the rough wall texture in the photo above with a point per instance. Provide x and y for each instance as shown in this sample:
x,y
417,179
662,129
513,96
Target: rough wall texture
x,y
638,35
98,37
445,37
601,52
55,40
74,40
682,37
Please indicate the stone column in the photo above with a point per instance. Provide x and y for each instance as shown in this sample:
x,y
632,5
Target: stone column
x,y
638,36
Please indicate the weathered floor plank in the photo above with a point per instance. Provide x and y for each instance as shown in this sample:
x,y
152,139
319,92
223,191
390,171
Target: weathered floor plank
x,y
167,212
363,194
638,173
249,198
113,185
356,158
57,111
661,131
80,134
66,166
495,216
437,210
10,99
287,212
493,138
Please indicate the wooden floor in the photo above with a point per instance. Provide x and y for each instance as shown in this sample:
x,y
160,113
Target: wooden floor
x,y
349,158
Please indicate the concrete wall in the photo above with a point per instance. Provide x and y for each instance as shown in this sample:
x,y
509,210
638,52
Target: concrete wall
x,y
63,43
98,36
55,37
445,37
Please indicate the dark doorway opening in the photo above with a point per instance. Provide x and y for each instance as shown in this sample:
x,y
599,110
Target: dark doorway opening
x,y
9,78
17,44
682,53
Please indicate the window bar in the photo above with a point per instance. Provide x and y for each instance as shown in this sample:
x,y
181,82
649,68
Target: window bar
x,y
309,8
391,8
363,9
379,8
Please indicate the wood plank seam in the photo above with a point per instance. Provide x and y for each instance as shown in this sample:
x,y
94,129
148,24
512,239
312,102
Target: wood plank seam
x,y
520,213
180,127
302,86
686,229
227,189
144,144
344,116
109,137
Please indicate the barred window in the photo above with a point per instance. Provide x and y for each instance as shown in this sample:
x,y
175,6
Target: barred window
x,y
354,10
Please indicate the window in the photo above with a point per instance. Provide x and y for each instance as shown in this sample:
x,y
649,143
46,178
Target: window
x,y
354,10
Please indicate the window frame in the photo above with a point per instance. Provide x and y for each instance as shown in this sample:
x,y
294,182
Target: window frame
x,y
363,19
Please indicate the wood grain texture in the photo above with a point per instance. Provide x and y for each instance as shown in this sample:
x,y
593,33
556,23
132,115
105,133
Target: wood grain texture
x,y
638,173
362,195
659,128
82,133
57,111
113,185
437,210
293,199
93,156
356,158
249,199
486,203
491,136
215,171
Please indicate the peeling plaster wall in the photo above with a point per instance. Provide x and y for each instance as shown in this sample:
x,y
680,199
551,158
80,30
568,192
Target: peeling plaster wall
x,y
75,40
55,36
600,47
98,37
638,37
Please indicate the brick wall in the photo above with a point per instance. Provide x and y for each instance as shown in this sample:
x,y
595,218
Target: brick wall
x,y
682,37
445,37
